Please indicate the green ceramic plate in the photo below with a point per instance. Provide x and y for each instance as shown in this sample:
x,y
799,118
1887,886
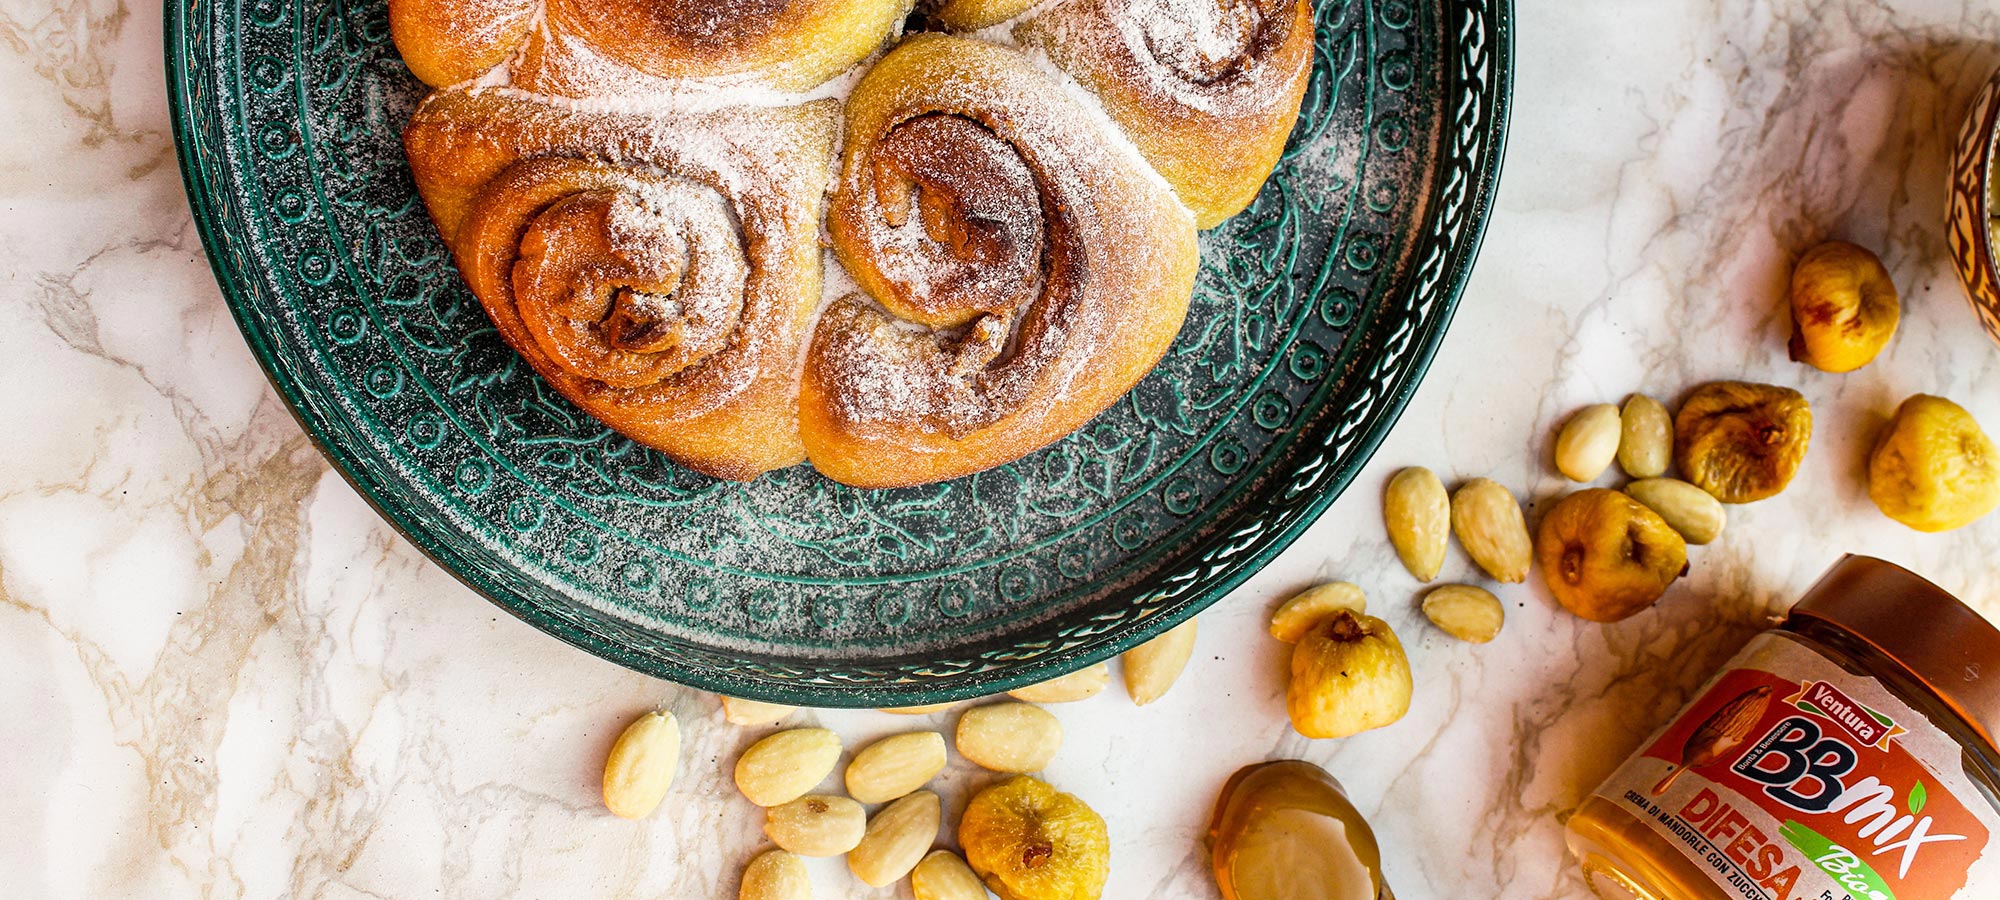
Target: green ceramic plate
x,y
1316,314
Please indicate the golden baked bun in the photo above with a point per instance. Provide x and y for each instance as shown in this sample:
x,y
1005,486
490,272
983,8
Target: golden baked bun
x,y
972,15
790,45
1024,271
445,42
583,45
659,270
1208,89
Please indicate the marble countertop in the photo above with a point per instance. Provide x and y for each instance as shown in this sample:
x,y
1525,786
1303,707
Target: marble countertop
x,y
222,675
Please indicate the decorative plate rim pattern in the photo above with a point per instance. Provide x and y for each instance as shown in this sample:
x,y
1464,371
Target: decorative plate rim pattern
x,y
1970,232
1472,131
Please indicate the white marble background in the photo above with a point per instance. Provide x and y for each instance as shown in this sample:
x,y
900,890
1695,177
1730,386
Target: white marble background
x,y
222,675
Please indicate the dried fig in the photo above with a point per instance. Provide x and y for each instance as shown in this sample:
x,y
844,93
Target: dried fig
x,y
1606,556
1314,604
1933,469
1742,442
1029,841
1349,674
1844,307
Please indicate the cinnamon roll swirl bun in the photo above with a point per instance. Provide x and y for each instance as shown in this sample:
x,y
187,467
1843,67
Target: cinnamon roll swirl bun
x,y
445,42
972,15
789,45
1208,89
1022,272
659,270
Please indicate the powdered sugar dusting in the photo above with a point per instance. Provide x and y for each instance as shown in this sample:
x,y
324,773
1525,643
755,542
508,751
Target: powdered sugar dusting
x,y
908,257
563,66
632,287
1199,39
1092,107
989,117
1002,33
890,371
1026,269
803,530
672,223
1200,52
1212,57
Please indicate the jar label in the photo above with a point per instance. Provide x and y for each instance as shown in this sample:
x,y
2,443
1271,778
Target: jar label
x,y
1813,784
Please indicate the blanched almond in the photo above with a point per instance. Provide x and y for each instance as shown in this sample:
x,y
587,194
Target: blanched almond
x,y
753,713
1465,612
897,838
1588,442
1645,437
1009,737
641,765
894,766
1489,525
1153,667
1693,512
816,825
783,767
1315,603
923,710
775,875
1081,684
943,876
1417,514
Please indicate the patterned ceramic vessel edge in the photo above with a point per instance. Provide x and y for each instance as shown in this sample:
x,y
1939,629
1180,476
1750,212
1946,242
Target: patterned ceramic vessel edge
x,y
1971,232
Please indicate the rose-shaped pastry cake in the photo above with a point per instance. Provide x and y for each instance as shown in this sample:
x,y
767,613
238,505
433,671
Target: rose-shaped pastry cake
x,y
637,191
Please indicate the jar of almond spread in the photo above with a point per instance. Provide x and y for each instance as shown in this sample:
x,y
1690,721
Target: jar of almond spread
x,y
1847,753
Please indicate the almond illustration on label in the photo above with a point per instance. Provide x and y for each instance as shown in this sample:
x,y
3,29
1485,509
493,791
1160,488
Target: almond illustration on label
x,y
1724,731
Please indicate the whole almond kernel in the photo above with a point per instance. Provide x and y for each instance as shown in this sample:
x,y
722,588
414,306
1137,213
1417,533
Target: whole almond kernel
x,y
923,710
943,876
783,767
897,839
1081,684
1465,612
1489,525
1153,667
1302,612
775,875
641,765
1645,437
1009,737
894,766
816,825
1588,442
1693,512
1417,514
753,713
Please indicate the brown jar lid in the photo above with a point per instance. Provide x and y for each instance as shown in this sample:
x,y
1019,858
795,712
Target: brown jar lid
x,y
1946,644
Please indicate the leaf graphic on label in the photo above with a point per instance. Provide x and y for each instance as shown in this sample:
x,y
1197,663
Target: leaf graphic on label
x,y
1855,876
1917,798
